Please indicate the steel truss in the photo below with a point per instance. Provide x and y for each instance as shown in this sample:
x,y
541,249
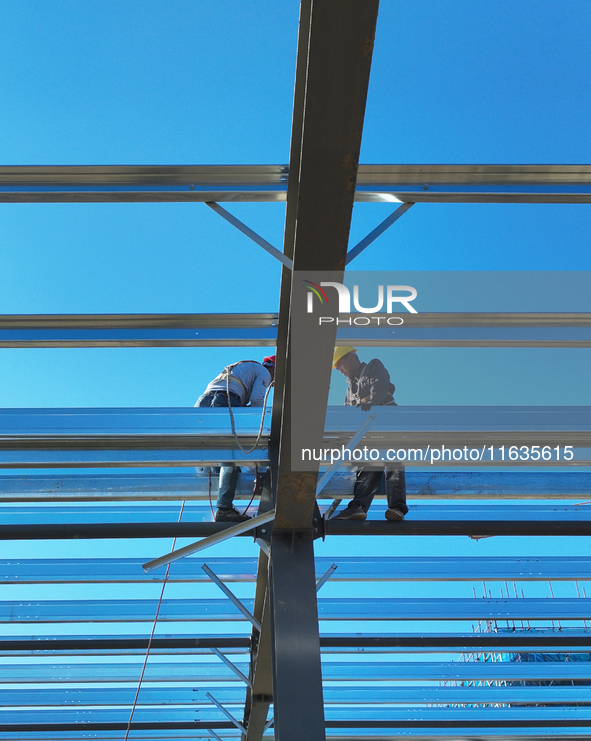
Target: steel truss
x,y
283,651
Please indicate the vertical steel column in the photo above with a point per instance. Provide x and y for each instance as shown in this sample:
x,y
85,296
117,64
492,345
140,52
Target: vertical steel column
x,y
332,75
297,677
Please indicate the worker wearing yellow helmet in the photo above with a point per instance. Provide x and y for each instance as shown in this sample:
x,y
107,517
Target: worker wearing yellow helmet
x,y
369,385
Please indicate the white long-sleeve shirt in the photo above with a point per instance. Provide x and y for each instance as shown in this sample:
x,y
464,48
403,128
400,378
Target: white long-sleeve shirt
x,y
249,380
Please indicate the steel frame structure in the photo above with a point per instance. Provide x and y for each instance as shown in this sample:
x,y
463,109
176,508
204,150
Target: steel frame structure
x,y
283,651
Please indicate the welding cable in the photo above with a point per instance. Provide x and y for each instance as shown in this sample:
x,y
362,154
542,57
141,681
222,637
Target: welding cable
x,y
254,488
209,492
246,452
137,692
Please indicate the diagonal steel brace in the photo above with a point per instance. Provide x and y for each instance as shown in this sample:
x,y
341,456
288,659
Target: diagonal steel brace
x,y
334,467
231,596
375,233
232,666
230,532
250,234
228,715
323,579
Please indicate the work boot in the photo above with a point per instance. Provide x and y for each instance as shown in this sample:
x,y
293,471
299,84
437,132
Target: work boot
x,y
230,514
394,514
352,512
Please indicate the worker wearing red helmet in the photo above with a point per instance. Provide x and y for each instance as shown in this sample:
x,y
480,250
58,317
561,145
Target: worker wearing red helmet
x,y
239,384
370,385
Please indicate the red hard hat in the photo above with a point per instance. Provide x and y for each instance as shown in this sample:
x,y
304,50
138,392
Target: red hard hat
x,y
269,360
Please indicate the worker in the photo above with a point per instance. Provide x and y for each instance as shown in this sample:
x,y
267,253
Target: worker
x,y
369,385
247,381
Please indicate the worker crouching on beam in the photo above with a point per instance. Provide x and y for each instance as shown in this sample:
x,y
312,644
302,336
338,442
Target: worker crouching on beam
x,y
237,385
370,385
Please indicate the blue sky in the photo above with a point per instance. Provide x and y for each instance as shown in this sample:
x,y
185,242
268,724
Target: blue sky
x,y
190,82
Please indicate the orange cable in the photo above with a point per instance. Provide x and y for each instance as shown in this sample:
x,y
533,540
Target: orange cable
x,y
151,635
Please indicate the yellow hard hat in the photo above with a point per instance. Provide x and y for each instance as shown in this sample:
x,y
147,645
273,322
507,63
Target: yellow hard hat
x,y
340,352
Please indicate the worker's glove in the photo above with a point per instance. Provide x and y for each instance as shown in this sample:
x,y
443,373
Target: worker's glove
x,y
365,406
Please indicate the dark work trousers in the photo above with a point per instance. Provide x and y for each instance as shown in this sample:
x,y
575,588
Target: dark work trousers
x,y
228,474
370,482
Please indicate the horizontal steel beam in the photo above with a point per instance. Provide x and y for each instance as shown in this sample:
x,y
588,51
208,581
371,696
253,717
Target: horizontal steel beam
x,y
333,696
332,671
107,487
124,457
418,435
472,528
115,530
80,728
146,423
181,486
77,731
199,513
353,718
104,645
349,569
201,729
449,734
213,610
138,330
74,438
455,329
210,427
522,641
257,183
513,641
122,437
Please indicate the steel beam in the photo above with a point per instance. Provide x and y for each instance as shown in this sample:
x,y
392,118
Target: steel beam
x,y
120,454
259,183
247,231
573,526
138,330
87,645
334,58
260,695
514,641
115,530
470,528
334,69
341,697
470,729
487,485
378,231
427,329
455,734
158,423
297,678
349,569
239,528
418,435
344,672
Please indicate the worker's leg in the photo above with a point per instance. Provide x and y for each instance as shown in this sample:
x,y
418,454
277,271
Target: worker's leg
x,y
206,400
396,491
367,483
228,473
227,487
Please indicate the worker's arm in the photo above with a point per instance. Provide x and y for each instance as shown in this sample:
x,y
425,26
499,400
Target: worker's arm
x,y
377,387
